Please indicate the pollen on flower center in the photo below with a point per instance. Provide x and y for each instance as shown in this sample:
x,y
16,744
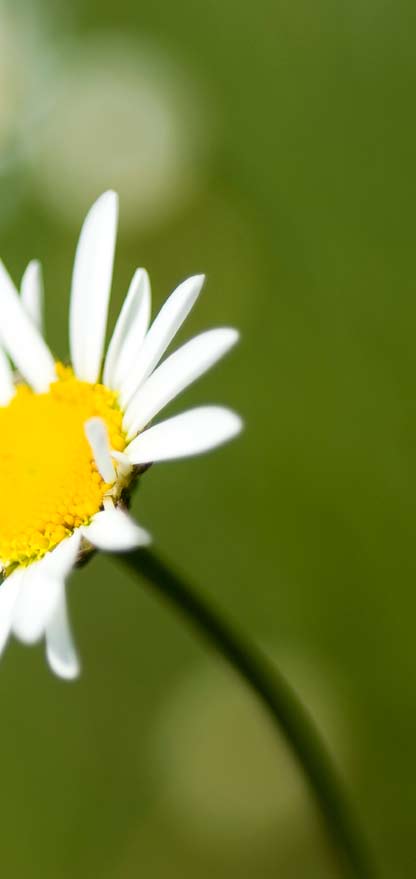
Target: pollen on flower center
x,y
48,477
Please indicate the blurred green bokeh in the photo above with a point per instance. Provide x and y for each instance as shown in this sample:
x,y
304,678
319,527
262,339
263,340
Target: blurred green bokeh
x,y
280,161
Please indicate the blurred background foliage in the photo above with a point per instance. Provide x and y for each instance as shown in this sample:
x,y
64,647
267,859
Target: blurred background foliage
x,y
271,146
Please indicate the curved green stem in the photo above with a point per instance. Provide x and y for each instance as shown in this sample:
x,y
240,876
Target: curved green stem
x,y
272,689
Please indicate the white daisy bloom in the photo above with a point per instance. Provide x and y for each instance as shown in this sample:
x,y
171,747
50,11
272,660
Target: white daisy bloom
x,y
73,439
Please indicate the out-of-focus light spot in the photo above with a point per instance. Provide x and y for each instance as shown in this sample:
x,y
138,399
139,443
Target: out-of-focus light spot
x,y
124,117
11,80
226,779
22,62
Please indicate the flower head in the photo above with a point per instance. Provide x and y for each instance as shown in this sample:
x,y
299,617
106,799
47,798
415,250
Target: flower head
x,y
74,438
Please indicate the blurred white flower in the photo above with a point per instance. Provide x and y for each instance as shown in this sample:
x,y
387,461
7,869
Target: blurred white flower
x,y
123,115
225,779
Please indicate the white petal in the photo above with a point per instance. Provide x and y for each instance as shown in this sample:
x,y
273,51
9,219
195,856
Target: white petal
x,y
129,331
37,600
32,293
21,339
115,531
6,380
97,436
60,561
191,433
41,589
9,593
60,648
161,333
175,374
91,284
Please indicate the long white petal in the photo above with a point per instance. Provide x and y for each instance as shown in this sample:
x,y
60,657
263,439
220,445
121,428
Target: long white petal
x,y
97,436
21,339
175,374
32,293
6,380
91,284
115,531
41,589
60,648
129,332
191,433
9,594
161,333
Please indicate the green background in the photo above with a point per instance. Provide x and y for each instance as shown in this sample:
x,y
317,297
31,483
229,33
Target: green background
x,y
155,763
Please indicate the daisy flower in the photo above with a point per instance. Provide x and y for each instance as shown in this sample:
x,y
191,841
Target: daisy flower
x,y
74,438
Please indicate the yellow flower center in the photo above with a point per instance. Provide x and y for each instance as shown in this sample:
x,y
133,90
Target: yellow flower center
x,y
49,482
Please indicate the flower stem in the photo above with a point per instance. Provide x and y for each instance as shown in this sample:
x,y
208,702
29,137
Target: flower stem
x,y
283,705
